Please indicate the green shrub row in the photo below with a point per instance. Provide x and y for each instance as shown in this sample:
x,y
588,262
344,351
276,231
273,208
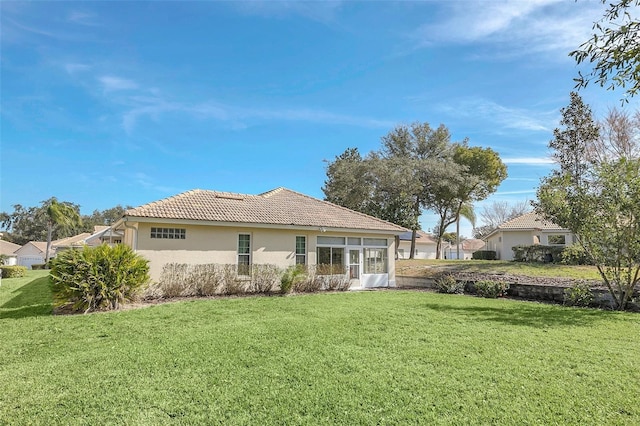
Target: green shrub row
x,y
97,278
13,271
570,255
484,255
448,284
579,294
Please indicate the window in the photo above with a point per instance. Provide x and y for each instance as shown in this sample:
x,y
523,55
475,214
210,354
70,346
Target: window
x,y
376,242
244,254
330,260
169,233
375,261
556,240
336,241
354,241
301,250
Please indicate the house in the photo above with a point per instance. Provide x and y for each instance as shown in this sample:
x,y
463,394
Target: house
x,y
104,235
467,248
526,230
280,227
425,247
32,253
7,250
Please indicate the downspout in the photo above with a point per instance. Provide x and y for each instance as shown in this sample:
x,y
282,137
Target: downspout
x,y
134,242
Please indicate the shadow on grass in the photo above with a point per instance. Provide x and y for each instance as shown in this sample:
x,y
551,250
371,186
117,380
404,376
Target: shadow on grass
x,y
534,315
30,300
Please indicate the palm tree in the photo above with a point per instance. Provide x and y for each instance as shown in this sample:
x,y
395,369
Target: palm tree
x,y
60,215
466,211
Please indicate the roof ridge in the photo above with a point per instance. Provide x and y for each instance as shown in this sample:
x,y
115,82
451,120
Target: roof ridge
x,y
346,209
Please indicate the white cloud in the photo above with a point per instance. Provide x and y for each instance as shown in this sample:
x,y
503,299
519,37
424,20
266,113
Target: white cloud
x,y
111,83
529,161
73,68
503,116
521,27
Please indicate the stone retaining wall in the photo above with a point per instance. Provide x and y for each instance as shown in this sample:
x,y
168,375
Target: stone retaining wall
x,y
542,292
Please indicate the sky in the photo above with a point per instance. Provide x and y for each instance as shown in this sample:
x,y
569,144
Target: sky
x,y
107,103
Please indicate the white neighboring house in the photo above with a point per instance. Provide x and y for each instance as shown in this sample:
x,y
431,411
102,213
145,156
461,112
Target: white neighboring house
x,y
8,250
526,230
425,246
467,248
32,253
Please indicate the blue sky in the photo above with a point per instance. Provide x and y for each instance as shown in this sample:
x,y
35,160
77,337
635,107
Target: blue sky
x,y
107,103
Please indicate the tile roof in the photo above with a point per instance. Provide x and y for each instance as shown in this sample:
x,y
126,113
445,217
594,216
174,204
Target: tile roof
x,y
73,241
529,220
8,248
280,206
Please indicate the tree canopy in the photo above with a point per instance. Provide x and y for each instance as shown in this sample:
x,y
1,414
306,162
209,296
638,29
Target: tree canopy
x,y
597,200
418,167
613,49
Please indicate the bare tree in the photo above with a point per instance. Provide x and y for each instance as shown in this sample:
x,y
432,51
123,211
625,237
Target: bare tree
x,y
619,137
497,213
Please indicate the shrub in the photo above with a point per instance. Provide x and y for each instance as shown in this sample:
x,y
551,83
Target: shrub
x,y
292,277
448,284
97,278
537,253
39,266
579,294
13,271
264,278
484,255
491,289
575,255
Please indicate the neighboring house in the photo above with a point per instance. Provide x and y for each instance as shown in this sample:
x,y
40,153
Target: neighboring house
x,y
104,235
467,248
526,230
279,227
425,247
7,249
76,241
32,253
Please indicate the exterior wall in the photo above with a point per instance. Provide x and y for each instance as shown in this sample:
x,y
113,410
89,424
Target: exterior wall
x,y
425,251
205,244
29,254
514,238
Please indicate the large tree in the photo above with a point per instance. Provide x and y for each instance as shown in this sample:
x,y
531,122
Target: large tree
x,y
597,200
26,224
391,183
613,49
477,172
60,216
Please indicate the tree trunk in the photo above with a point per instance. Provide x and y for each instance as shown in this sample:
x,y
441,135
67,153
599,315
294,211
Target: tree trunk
x,y
49,233
413,244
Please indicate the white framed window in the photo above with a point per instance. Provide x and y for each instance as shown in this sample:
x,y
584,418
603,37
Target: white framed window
x,y
244,254
169,233
301,250
375,261
375,242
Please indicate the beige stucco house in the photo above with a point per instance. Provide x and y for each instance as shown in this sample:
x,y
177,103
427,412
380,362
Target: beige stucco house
x,y
528,229
279,227
8,251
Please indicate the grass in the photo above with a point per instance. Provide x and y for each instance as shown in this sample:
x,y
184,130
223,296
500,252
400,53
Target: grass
x,y
427,267
387,357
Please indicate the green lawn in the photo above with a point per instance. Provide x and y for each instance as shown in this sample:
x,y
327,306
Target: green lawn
x,y
386,357
428,267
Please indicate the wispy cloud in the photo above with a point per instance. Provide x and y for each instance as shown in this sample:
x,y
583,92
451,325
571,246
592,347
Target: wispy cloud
x,y
529,161
111,83
82,18
505,117
522,27
73,67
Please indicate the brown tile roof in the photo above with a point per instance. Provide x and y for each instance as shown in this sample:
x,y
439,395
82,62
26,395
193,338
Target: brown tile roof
x,y
529,220
280,206
74,241
472,244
